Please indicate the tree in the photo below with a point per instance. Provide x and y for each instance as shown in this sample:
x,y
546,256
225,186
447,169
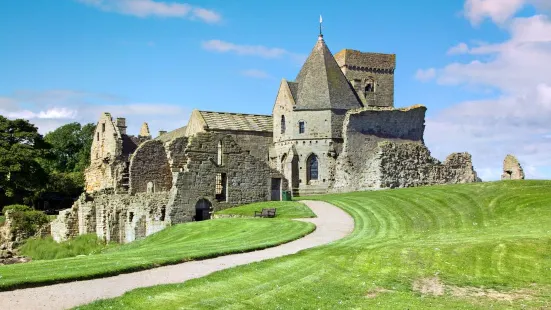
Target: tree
x,y
71,145
21,148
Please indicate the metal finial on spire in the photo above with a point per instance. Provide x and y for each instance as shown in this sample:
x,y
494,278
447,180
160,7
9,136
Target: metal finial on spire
x,y
321,20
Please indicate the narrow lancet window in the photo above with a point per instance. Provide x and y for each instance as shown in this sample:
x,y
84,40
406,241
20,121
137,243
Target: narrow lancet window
x,y
220,153
282,123
312,165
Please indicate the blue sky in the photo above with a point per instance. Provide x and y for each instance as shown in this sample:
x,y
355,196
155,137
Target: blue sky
x,y
470,62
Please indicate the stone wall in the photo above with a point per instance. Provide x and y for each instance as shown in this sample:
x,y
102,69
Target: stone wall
x,y
257,143
388,123
383,148
410,164
175,151
512,170
194,161
120,218
149,169
247,179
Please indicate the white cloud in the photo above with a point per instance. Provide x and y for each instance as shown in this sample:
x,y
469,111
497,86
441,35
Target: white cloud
x,y
146,8
499,11
53,113
50,109
516,66
257,74
425,75
251,50
460,48
518,120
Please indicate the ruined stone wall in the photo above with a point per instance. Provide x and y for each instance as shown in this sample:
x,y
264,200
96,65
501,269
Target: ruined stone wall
x,y
257,143
120,218
410,164
512,170
175,151
66,224
248,179
109,156
383,148
149,169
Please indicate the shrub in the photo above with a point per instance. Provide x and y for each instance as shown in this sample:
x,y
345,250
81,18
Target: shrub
x,y
16,208
47,248
25,224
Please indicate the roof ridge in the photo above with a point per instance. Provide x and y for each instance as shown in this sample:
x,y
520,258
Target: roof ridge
x,y
235,113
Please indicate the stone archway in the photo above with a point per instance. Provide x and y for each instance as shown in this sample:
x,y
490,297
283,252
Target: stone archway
x,y
203,209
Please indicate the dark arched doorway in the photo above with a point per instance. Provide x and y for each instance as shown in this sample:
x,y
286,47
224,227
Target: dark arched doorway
x,y
202,210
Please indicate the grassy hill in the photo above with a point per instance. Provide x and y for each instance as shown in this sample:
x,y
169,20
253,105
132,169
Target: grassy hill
x,y
172,245
472,246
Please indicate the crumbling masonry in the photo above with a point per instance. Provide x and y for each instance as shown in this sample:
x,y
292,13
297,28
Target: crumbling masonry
x,y
333,129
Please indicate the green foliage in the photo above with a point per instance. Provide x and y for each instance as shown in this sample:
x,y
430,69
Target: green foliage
x,y
21,146
47,248
71,145
27,223
488,243
16,208
172,245
67,183
285,209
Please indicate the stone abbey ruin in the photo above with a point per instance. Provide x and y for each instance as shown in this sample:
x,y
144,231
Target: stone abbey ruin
x,y
333,129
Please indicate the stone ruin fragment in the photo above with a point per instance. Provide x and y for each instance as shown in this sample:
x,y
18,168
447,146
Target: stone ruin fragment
x,y
512,170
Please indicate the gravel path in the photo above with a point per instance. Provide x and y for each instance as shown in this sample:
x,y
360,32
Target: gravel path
x,y
331,224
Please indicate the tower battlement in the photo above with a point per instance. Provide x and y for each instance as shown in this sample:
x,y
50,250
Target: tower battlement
x,y
371,75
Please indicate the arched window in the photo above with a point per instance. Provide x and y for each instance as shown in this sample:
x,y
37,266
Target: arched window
x,y
312,168
219,161
301,127
282,123
370,86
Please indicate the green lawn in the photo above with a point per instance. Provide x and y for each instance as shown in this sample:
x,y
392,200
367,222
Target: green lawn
x,y
175,244
474,246
285,209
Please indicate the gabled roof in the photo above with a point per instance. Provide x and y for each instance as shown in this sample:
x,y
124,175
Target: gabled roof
x,y
321,83
171,135
237,121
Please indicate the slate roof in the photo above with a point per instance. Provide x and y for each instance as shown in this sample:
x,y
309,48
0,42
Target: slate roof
x,y
321,83
237,121
171,135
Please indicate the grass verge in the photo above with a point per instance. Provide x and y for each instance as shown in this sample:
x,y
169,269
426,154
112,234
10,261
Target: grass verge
x,y
176,244
471,246
285,209
47,248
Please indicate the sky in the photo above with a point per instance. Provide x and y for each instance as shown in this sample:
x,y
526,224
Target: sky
x,y
481,67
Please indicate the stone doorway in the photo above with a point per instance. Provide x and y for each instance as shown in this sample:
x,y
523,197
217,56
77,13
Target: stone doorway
x,y
276,189
203,208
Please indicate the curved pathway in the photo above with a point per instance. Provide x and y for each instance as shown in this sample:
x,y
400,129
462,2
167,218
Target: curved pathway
x,y
331,223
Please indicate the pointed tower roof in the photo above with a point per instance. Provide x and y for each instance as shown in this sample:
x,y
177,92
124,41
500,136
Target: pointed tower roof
x,y
321,83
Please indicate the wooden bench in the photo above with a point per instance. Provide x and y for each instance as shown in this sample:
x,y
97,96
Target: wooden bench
x,y
271,212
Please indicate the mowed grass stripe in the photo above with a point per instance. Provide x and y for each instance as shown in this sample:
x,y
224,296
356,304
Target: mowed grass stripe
x,y
175,244
463,234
